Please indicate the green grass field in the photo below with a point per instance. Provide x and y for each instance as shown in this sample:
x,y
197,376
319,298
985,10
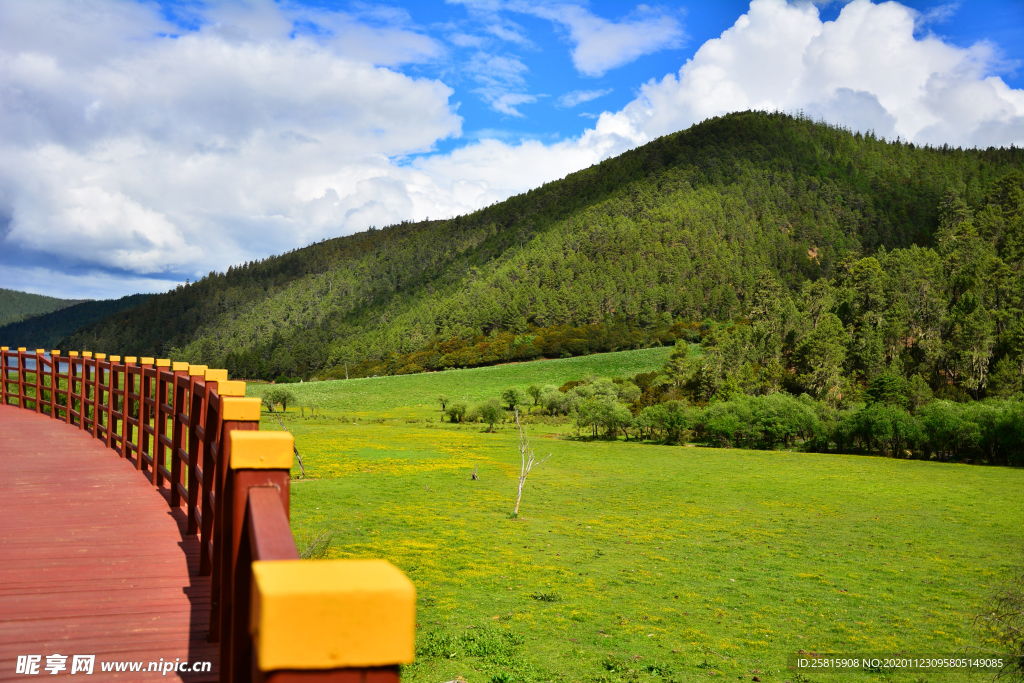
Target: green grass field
x,y
376,395
638,562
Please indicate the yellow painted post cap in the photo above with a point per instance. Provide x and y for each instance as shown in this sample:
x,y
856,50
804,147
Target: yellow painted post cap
x,y
330,614
5,348
131,360
86,354
115,359
40,350
163,362
179,366
230,388
215,375
101,356
196,370
245,409
73,354
21,348
54,353
261,450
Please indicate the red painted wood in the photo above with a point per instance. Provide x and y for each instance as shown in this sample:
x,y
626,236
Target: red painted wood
x,y
92,558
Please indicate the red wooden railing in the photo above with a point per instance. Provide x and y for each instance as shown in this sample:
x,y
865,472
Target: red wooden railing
x,y
188,428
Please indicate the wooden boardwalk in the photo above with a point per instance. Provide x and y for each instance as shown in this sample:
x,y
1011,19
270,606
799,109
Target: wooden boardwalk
x,y
92,559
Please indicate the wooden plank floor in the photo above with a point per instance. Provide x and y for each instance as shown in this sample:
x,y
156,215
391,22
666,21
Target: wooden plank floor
x,y
92,559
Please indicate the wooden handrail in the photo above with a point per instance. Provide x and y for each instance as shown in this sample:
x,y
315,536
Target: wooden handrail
x,y
233,482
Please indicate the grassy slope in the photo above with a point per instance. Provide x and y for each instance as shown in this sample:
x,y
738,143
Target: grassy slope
x,y
416,395
768,553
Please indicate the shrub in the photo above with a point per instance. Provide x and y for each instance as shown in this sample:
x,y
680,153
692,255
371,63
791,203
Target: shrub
x,y
490,412
513,397
278,396
456,411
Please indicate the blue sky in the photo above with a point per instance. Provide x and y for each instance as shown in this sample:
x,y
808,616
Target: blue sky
x,y
142,144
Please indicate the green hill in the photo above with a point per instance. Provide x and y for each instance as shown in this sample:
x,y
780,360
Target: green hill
x,y
15,306
47,330
725,221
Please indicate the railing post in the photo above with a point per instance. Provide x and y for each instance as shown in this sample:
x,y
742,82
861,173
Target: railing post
x,y
147,407
161,440
3,367
115,429
90,381
104,397
128,374
74,364
54,382
22,401
217,387
196,419
237,414
256,459
178,433
39,379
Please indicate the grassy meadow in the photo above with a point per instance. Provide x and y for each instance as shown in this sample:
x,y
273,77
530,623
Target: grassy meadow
x,y
638,562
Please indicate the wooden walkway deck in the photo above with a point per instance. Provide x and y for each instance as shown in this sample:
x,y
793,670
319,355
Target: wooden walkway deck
x,y
92,559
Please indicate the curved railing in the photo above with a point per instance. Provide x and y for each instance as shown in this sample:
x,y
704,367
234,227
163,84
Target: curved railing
x,y
277,618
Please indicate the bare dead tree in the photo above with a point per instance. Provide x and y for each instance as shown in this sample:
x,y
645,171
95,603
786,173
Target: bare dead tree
x,y
527,462
316,546
1002,629
294,447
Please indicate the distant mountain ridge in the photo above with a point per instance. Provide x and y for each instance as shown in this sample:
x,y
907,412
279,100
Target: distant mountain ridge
x,y
47,330
681,229
15,305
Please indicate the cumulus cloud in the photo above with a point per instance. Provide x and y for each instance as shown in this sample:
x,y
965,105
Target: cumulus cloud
x,y
865,69
130,147
571,99
134,152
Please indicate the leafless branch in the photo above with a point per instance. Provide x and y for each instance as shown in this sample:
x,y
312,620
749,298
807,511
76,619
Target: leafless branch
x,y
526,460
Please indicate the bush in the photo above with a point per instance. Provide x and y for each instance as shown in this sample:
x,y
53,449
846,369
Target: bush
x,y
513,397
888,429
278,396
671,419
456,411
490,412
603,412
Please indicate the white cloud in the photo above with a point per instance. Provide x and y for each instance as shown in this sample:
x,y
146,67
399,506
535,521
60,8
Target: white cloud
x,y
865,69
571,99
508,31
130,151
937,15
501,79
145,157
507,103
601,45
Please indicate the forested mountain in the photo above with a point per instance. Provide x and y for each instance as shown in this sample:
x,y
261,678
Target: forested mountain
x,y
15,306
803,234
47,330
